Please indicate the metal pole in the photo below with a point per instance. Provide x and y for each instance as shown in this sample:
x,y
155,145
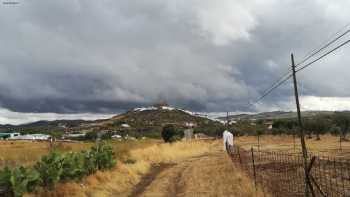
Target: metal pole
x,y
302,137
294,140
254,172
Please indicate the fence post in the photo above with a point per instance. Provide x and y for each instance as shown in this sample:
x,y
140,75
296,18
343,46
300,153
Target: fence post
x,y
239,156
254,173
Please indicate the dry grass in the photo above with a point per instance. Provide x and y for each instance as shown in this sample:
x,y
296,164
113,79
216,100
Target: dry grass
x,y
165,153
121,180
211,175
15,153
327,146
26,153
206,176
217,176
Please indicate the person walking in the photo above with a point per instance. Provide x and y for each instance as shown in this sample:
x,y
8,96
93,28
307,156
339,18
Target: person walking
x,y
228,140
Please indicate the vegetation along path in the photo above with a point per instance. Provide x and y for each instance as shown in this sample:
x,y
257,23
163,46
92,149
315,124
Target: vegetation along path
x,y
207,175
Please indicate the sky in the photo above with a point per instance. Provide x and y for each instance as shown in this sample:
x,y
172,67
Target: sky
x,y
91,59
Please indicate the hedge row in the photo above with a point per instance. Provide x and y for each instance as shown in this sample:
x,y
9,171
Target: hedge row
x,y
55,167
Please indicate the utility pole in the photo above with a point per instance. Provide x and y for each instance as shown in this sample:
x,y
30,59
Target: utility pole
x,y
227,123
302,135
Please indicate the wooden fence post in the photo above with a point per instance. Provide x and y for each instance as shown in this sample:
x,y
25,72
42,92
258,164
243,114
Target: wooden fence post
x,y
254,173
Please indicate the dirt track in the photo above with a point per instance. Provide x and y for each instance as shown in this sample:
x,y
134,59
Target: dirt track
x,y
208,175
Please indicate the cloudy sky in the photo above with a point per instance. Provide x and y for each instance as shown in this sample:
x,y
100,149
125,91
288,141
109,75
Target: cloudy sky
x,y
103,57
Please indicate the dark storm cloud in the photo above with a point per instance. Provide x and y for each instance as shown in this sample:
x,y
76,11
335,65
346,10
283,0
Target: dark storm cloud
x,y
108,56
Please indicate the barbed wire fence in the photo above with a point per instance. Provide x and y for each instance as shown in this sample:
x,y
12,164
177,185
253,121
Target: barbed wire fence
x,y
282,174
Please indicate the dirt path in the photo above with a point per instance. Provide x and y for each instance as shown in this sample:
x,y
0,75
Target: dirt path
x,y
207,175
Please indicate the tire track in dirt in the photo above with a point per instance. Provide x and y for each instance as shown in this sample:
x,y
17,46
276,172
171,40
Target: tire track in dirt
x,y
205,176
166,180
149,178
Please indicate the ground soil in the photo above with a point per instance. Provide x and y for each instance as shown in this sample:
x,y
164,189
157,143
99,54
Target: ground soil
x,y
207,175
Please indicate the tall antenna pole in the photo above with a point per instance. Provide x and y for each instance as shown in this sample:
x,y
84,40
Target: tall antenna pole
x,y
302,135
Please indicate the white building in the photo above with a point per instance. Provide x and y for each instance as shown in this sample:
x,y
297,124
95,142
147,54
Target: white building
x,y
31,137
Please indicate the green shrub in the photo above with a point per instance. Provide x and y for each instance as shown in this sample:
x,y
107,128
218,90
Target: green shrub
x,y
50,168
18,181
74,166
55,167
92,135
89,162
169,133
24,180
103,153
5,182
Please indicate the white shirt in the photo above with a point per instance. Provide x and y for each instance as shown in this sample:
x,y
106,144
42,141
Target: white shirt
x,y
227,137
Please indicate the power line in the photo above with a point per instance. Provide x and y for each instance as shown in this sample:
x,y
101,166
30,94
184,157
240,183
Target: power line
x,y
271,89
288,75
324,55
326,44
324,47
314,52
278,80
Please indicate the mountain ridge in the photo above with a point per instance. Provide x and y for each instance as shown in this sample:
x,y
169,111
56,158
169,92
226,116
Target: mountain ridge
x,y
276,115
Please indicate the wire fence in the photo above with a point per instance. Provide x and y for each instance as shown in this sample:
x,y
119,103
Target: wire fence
x,y
282,174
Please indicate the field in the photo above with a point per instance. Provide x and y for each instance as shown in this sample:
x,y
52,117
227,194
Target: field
x,y
178,169
144,168
26,153
277,164
152,168
327,146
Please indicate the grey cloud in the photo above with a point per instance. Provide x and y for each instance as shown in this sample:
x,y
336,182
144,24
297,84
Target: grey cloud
x,y
88,56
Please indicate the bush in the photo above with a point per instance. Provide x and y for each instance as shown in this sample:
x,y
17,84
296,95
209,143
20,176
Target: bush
x,y
50,168
74,166
18,181
89,162
103,154
92,135
5,183
55,167
169,133
24,180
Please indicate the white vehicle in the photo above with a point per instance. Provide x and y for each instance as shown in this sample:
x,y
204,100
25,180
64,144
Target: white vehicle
x,y
116,136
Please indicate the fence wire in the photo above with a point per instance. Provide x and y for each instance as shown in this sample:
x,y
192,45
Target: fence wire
x,y
282,174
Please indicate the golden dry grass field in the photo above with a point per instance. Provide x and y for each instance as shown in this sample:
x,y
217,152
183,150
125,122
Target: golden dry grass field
x,y
152,168
26,153
327,146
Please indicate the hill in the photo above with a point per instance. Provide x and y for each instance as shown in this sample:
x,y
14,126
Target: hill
x,y
137,122
150,120
276,115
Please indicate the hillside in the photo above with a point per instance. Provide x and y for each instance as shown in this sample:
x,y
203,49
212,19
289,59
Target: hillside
x,y
276,115
136,122
149,121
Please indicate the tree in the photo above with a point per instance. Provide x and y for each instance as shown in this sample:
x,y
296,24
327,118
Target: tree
x,y
342,120
169,133
56,134
92,135
309,127
335,130
322,126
